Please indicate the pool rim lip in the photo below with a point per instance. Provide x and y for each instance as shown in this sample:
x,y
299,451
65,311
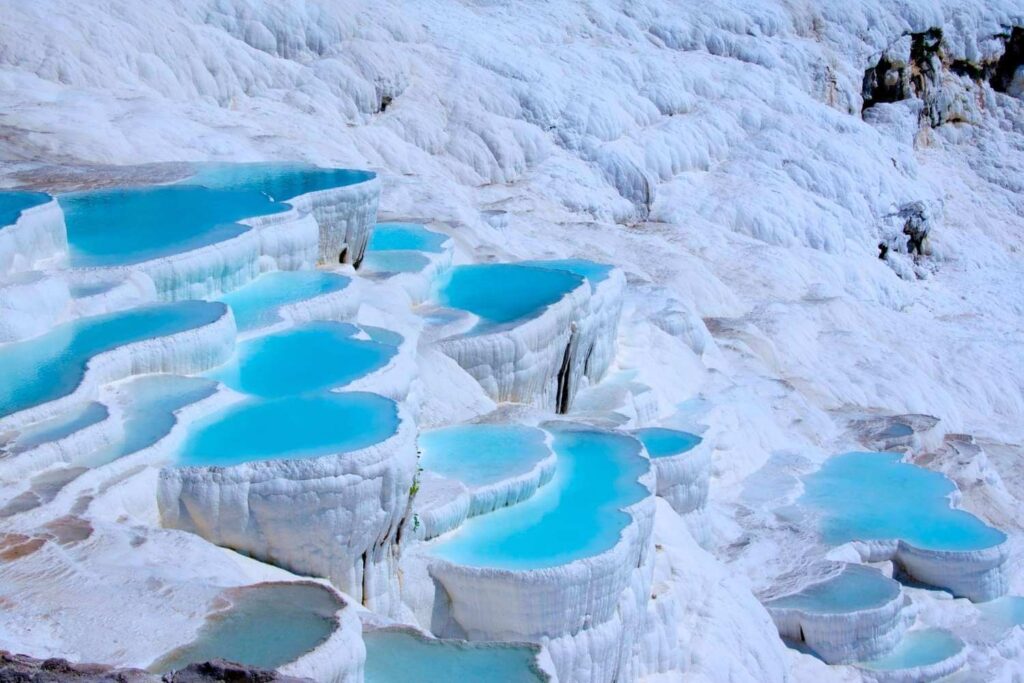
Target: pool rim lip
x,y
960,653
694,450
33,208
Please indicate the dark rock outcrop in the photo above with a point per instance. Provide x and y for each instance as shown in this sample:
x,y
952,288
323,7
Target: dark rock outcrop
x,y
16,668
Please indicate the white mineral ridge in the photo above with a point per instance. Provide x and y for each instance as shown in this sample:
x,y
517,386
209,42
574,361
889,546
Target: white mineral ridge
x,y
31,303
334,516
345,217
37,237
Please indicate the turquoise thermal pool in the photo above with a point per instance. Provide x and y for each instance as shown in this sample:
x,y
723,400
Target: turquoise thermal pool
x,y
256,304
578,514
500,293
405,237
280,181
149,406
52,365
289,428
394,656
662,443
594,272
395,261
57,428
311,357
875,496
132,225
13,203
266,626
853,589
1004,613
482,454
918,648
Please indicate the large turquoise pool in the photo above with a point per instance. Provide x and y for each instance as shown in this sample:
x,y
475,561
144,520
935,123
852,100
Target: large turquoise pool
x,y
482,454
52,365
918,648
266,626
291,428
405,237
578,514
280,181
501,293
396,656
14,202
662,443
131,225
853,589
875,496
310,357
257,303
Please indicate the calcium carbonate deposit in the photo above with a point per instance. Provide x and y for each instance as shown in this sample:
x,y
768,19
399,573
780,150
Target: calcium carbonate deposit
x,y
582,341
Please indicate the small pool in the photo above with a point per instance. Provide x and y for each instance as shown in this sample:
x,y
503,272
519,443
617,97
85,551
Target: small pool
x,y
280,181
918,648
310,357
397,656
150,403
14,202
853,589
395,261
131,225
405,237
501,293
875,496
482,454
289,428
265,626
1003,613
594,272
52,365
662,443
578,514
58,427
256,304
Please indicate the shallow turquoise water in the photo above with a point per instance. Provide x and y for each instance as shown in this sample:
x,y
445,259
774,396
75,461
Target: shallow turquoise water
x,y
578,514
310,357
855,588
256,304
290,428
593,271
504,292
481,454
661,442
149,409
405,237
918,648
398,657
281,181
131,225
267,626
52,365
874,496
395,261
58,427
13,202
1005,612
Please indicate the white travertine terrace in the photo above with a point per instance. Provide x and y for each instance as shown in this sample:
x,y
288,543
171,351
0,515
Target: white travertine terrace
x,y
37,237
345,216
